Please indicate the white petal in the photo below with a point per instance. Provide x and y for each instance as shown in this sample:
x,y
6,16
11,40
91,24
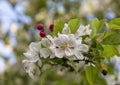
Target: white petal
x,y
52,55
45,42
84,48
61,40
72,41
35,46
50,38
83,30
32,56
59,52
31,69
66,29
79,31
45,52
88,30
79,55
69,52
79,41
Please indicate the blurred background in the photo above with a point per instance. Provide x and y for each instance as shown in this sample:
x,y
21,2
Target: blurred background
x,y
18,20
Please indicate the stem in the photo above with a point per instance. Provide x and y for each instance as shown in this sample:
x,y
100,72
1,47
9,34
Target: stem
x,y
86,60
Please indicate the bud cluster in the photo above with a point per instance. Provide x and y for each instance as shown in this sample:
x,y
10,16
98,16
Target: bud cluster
x,y
41,27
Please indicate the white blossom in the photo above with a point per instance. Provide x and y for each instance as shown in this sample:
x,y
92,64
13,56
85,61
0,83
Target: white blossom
x,y
32,57
63,45
33,53
45,51
35,46
66,45
31,68
83,30
66,29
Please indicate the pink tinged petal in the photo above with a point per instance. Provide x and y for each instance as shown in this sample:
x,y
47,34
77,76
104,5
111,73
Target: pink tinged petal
x,y
66,29
59,52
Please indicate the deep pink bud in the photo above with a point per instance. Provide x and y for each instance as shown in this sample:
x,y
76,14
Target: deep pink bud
x,y
40,27
42,34
51,27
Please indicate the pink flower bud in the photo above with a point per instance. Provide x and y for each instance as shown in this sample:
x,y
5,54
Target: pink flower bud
x,y
51,27
40,27
42,34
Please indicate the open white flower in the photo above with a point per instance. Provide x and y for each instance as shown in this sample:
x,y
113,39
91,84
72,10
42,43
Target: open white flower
x,y
63,45
80,49
32,56
35,46
33,53
83,30
45,50
31,68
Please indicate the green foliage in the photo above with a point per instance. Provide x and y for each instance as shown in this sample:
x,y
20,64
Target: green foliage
x,y
96,26
74,25
109,51
58,26
100,80
104,46
112,39
91,74
114,24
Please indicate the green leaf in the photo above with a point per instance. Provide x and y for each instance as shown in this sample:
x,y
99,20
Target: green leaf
x,y
91,74
108,51
95,23
96,26
74,25
101,24
114,24
112,39
58,26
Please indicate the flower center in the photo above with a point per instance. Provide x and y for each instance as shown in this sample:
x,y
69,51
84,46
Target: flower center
x,y
64,45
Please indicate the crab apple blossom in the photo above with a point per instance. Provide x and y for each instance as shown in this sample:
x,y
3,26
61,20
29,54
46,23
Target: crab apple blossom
x,y
83,30
74,47
65,45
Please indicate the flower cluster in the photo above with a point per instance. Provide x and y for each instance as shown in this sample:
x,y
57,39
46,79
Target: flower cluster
x,y
65,45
